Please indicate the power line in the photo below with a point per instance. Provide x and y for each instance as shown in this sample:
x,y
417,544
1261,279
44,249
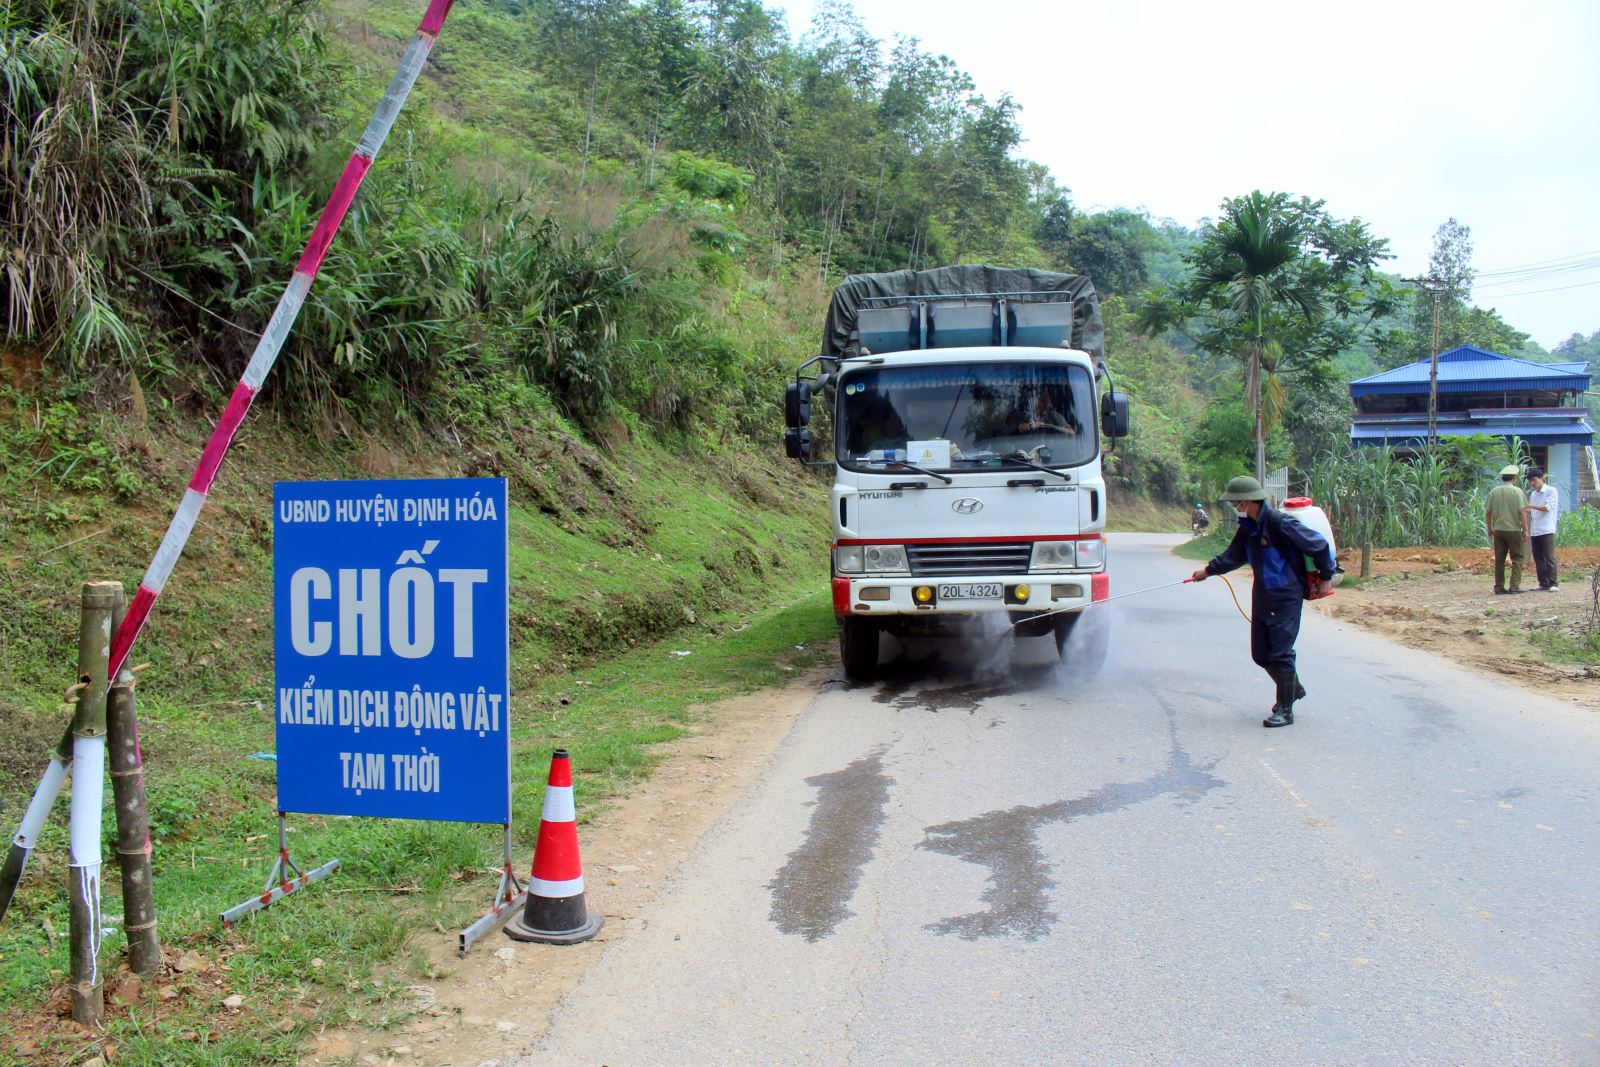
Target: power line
x,y
1557,289
1540,275
1553,268
1536,264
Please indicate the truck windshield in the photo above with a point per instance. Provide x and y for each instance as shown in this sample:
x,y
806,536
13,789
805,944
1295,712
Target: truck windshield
x,y
960,416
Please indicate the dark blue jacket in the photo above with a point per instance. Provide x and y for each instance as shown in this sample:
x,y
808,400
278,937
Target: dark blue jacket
x,y
1276,548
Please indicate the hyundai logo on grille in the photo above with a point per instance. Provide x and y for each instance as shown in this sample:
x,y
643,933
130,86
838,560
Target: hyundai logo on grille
x,y
967,505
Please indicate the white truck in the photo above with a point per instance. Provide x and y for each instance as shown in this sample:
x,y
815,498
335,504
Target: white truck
x,y
969,408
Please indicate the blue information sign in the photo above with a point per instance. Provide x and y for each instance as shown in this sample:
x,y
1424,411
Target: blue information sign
x,y
393,677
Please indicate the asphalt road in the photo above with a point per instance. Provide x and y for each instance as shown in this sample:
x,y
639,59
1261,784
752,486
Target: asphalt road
x,y
965,864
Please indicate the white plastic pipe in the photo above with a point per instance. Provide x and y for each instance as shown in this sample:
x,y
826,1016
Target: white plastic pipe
x,y
88,797
44,799
22,846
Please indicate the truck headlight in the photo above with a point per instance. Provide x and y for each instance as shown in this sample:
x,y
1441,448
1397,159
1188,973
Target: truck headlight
x,y
1091,553
870,559
1052,556
886,559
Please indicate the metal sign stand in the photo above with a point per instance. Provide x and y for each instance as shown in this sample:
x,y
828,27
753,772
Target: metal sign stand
x,y
279,883
510,898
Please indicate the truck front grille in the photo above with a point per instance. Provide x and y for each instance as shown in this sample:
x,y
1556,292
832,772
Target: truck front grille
x,y
994,558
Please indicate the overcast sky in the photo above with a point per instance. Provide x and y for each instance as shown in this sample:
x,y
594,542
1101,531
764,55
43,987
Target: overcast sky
x,y
1403,114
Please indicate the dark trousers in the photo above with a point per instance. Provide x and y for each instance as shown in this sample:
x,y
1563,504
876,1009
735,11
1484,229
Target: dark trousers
x,y
1274,626
1507,543
1544,559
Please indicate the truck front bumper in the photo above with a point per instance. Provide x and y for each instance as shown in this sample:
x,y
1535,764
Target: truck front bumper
x,y
924,596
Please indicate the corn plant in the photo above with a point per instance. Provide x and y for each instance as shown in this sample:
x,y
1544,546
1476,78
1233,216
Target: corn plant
x,y
1579,528
1434,496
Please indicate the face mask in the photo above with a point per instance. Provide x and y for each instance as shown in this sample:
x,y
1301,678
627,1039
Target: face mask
x,y
1241,512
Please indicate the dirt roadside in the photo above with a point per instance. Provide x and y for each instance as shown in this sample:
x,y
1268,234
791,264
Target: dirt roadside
x,y
490,1006
1442,601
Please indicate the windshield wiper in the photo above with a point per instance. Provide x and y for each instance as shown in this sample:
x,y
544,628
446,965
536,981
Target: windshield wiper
x,y
1019,461
919,470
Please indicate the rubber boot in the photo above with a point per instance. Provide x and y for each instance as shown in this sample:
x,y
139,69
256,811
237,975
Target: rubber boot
x,y
1299,690
1283,710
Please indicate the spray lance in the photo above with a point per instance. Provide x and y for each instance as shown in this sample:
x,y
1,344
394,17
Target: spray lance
x,y
1300,508
1136,592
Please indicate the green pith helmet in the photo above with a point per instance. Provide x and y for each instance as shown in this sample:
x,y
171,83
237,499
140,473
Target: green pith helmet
x,y
1243,488
1511,470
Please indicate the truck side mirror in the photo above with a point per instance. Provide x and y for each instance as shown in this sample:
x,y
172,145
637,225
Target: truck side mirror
x,y
797,404
797,444
1114,415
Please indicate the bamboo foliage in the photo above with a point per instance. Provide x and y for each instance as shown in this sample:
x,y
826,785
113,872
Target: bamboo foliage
x,y
73,192
123,121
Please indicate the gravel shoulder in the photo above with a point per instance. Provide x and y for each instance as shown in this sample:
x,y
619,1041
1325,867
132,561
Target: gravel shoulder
x,y
1442,601
493,1004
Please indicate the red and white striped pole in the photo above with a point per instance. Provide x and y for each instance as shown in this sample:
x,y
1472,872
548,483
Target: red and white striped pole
x,y
555,913
244,394
277,331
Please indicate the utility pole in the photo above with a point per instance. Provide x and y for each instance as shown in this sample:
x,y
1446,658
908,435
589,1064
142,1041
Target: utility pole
x,y
1438,289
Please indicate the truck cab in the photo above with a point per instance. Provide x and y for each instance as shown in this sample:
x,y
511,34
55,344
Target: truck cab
x,y
968,493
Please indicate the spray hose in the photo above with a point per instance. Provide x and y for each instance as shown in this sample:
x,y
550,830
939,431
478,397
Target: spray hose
x,y
1236,604
1138,592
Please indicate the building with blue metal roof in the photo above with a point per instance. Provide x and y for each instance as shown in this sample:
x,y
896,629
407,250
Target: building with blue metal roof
x,y
1483,392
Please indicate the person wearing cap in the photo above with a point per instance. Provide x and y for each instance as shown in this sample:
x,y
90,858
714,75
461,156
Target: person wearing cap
x,y
1505,516
1277,548
1544,511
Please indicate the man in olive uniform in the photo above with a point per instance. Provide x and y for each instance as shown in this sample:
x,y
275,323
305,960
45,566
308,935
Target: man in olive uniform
x,y
1506,518
1276,547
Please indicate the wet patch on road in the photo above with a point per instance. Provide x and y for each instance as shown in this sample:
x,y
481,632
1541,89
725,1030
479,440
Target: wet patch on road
x,y
958,682
1433,718
946,698
811,893
1007,842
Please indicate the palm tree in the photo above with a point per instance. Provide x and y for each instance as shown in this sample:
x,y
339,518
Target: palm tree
x,y
1245,268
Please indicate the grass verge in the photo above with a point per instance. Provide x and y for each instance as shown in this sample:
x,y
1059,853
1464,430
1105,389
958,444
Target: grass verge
x,y
1203,548
1136,514
1567,646
325,957
621,556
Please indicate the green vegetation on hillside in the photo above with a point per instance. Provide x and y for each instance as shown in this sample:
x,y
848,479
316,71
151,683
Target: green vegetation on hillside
x,y
599,238
609,207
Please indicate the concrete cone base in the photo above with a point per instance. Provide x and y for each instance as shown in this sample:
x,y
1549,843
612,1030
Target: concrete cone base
x,y
519,930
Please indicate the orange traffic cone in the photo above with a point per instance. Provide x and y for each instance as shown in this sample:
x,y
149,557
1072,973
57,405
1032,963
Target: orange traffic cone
x,y
555,913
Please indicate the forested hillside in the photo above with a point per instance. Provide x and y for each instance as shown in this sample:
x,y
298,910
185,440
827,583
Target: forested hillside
x,y
600,237
619,210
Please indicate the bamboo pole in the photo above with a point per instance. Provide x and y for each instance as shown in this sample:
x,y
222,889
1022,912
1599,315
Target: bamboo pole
x,y
44,798
133,819
88,795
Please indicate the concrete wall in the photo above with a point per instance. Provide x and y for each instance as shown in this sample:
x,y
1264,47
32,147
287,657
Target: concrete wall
x,y
1563,471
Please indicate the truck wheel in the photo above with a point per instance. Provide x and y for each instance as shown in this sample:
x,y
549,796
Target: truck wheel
x,y
1082,640
858,647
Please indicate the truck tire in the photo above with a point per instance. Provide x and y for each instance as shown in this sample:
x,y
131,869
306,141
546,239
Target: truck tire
x,y
1086,650
858,647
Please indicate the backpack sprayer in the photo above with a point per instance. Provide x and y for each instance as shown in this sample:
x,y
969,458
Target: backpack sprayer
x,y
1305,512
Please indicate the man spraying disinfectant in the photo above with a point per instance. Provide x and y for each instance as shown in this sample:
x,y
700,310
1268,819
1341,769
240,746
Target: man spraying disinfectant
x,y
1282,552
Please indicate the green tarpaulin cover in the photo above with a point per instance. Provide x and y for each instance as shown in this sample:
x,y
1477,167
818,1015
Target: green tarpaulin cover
x,y
1087,332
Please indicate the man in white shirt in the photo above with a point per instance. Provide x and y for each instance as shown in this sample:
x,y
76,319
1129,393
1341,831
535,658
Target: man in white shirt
x,y
1544,510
